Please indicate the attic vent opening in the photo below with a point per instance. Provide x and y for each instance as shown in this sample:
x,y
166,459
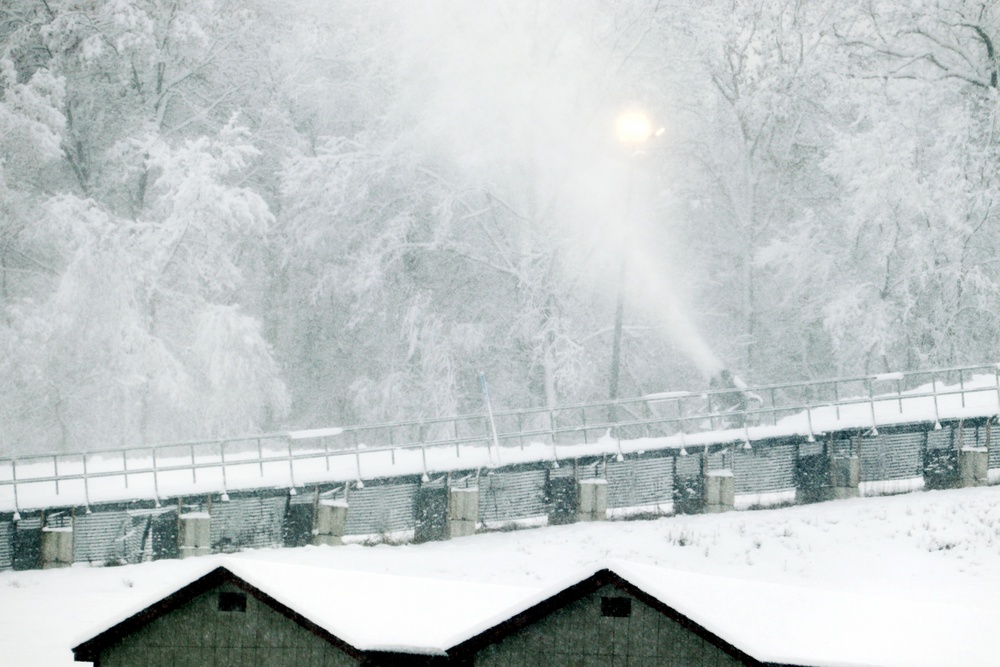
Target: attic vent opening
x,y
616,607
232,602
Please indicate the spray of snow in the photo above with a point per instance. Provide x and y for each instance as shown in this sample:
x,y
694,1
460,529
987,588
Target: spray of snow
x,y
652,290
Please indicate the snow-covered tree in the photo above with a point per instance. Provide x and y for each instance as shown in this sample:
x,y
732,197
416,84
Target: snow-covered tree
x,y
140,229
219,215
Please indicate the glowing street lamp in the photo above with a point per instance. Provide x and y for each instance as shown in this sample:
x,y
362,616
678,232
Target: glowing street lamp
x,y
633,128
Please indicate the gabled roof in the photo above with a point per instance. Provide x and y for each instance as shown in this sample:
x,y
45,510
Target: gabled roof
x,y
778,623
774,624
90,649
549,601
362,613
757,622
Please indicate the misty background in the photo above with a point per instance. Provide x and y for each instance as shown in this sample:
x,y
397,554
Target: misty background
x,y
225,216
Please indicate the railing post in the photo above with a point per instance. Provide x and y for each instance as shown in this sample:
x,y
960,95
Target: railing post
x,y
55,469
937,415
156,480
961,386
13,473
357,459
422,439
194,470
423,455
899,393
86,483
291,469
836,399
125,467
809,418
488,405
222,457
996,374
552,430
871,403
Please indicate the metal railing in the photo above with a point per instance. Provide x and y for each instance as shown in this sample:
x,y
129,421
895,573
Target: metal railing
x,y
733,411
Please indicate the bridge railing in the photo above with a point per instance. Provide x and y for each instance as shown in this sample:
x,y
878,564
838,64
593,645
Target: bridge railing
x,y
271,459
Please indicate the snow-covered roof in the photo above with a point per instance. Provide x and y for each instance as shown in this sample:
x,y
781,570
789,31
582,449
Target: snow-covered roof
x,y
368,611
771,622
793,625
380,612
546,600
826,628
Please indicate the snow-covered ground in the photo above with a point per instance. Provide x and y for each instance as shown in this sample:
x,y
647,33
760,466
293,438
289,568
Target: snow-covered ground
x,y
937,550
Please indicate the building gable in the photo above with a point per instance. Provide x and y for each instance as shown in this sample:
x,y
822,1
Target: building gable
x,y
217,620
603,619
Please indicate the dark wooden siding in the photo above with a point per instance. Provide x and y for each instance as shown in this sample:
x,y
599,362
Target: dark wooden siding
x,y
197,634
579,634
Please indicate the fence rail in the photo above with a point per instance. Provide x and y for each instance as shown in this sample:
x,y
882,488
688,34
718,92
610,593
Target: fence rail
x,y
467,441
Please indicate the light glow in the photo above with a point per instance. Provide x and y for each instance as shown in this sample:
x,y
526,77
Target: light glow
x,y
633,127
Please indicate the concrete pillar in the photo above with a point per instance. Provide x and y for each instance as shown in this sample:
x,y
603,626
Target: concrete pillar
x,y
331,522
57,547
592,500
973,466
194,534
846,477
720,491
463,511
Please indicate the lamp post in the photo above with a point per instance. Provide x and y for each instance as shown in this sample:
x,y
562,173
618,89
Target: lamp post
x,y
633,128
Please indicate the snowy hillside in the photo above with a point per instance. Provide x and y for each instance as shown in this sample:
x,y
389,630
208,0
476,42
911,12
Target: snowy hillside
x,y
937,548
